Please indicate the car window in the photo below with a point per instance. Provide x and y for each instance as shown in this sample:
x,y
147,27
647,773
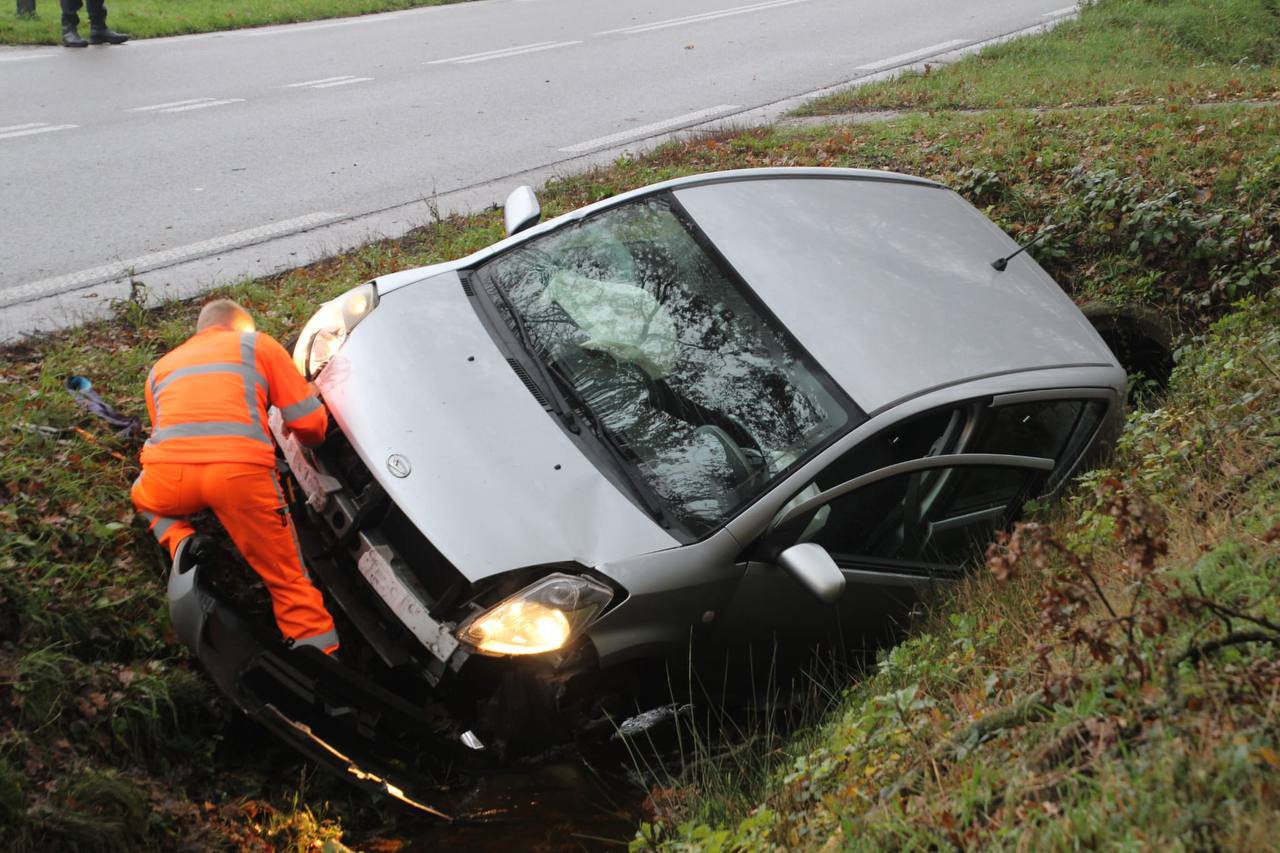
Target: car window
x,y
1059,430
940,517
1049,429
707,395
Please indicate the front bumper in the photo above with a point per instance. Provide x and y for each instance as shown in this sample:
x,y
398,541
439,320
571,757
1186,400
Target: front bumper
x,y
325,710
397,592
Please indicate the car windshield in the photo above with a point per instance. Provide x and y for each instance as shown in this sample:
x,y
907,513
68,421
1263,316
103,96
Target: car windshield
x,y
696,387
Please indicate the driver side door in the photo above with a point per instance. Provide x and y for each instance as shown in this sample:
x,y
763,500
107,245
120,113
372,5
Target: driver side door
x,y
890,532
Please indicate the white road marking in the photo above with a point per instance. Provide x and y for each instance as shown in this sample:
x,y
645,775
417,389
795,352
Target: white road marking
x,y
649,129
204,104
155,260
469,58
187,105
704,16
910,55
348,81
168,105
1065,10
17,130
25,57
315,82
328,82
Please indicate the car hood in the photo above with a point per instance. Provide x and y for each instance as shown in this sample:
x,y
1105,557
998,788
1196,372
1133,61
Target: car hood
x,y
493,481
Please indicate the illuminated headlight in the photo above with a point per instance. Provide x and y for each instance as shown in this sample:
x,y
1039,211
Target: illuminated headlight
x,y
327,330
540,618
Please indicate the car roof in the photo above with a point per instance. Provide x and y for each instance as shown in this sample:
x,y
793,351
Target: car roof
x,y
889,284
886,279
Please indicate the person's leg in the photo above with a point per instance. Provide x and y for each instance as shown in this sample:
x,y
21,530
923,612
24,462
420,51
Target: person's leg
x,y
70,8
158,497
250,505
99,32
70,24
97,13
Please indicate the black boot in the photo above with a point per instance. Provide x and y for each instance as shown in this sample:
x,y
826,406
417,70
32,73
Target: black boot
x,y
71,37
103,35
196,550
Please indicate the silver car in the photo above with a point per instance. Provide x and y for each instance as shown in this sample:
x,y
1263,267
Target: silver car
x,y
728,407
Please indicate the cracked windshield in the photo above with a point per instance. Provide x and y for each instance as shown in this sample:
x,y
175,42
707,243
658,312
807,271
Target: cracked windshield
x,y
703,393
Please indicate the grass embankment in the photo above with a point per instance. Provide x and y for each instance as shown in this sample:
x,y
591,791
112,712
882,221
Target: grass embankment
x,y
152,18
109,737
1115,52
1112,678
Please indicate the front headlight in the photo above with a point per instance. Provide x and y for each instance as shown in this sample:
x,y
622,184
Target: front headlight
x,y
540,618
327,330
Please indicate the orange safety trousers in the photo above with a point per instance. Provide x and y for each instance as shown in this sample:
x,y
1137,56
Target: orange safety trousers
x,y
248,501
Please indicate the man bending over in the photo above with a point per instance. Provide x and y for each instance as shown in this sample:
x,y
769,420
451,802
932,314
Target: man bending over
x,y
210,448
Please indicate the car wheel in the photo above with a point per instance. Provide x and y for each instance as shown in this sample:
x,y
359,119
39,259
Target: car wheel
x,y
1141,339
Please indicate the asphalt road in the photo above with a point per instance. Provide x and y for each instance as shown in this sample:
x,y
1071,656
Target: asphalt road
x,y
160,153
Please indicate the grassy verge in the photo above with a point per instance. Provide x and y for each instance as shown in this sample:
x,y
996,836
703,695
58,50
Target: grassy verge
x,y
109,737
1117,52
152,18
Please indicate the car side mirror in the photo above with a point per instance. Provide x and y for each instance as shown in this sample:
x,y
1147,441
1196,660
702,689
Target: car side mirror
x,y
815,569
521,210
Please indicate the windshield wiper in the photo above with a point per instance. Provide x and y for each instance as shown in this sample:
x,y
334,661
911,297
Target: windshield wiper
x,y
564,400
607,437
555,400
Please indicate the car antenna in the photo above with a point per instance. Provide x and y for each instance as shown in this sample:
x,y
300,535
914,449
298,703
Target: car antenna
x,y
1001,263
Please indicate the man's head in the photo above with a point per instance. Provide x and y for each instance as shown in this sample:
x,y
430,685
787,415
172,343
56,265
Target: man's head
x,y
225,314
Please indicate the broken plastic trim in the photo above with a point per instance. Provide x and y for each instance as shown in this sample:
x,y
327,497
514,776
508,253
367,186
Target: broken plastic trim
x,y
323,709
352,767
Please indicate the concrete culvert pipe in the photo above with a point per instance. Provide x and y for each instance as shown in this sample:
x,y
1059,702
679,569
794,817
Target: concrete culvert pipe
x,y
1141,339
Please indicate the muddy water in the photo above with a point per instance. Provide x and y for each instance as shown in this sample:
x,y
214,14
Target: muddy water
x,y
562,806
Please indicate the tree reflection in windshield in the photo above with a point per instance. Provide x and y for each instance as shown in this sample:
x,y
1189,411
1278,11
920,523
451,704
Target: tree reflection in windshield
x,y
710,398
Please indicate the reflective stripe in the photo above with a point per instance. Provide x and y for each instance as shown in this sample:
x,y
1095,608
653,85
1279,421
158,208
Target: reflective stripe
x,y
208,429
162,527
300,409
238,368
320,641
288,520
247,343
159,524
155,399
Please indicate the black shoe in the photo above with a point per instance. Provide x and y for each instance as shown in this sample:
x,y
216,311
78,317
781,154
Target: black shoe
x,y
195,550
106,36
71,38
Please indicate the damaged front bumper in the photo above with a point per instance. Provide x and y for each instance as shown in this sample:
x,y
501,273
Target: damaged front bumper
x,y
384,573
327,711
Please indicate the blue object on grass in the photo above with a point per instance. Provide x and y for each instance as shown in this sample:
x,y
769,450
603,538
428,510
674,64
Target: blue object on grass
x,y
81,389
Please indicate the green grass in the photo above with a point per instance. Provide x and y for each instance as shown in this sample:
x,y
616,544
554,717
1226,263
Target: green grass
x,y
152,18
1169,205
1117,52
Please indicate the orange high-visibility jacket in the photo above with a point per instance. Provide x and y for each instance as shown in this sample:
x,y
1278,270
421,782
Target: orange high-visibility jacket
x,y
208,400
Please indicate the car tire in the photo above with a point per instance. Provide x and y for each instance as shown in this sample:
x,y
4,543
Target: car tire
x,y
1141,339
